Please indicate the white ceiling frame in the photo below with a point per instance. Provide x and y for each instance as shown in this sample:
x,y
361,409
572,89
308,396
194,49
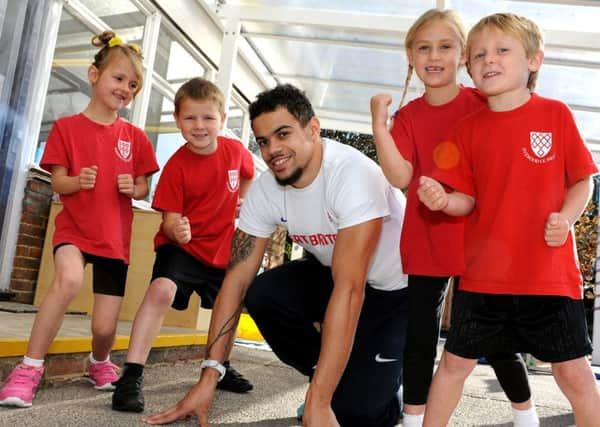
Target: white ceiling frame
x,y
322,40
347,82
321,18
592,3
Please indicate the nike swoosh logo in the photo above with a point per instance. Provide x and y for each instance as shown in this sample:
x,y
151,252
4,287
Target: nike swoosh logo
x,y
380,359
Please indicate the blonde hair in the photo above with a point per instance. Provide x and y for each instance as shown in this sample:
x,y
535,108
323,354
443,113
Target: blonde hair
x,y
200,89
523,29
111,44
450,17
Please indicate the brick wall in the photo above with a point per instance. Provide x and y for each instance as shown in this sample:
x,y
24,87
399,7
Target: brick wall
x,y
34,220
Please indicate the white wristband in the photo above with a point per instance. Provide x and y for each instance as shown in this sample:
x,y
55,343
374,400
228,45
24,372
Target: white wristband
x,y
210,363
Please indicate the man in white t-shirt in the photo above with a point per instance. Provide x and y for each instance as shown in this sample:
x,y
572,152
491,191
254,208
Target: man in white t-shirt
x,y
336,203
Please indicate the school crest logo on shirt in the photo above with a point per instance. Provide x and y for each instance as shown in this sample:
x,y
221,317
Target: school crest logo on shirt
x,y
123,149
234,180
541,143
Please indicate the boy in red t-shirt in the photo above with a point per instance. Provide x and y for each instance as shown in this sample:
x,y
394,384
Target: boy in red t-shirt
x,y
524,176
198,193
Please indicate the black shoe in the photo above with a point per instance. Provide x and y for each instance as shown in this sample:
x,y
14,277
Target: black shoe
x,y
128,394
234,381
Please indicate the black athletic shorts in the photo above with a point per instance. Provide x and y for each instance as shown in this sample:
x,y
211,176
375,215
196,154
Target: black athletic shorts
x,y
109,274
189,274
551,328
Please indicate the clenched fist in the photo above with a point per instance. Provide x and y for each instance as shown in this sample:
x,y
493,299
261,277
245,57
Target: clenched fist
x,y
125,184
432,194
556,230
182,231
87,177
379,109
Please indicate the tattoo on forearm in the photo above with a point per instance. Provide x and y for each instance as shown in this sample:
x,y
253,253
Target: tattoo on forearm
x,y
241,247
226,330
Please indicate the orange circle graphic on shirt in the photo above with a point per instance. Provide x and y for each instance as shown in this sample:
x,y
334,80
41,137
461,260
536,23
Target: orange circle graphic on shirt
x,y
446,155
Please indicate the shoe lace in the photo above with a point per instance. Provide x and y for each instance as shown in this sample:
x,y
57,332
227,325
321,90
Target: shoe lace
x,y
104,369
22,376
233,374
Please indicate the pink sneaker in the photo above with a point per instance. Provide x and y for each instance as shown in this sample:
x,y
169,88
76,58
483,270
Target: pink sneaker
x,y
103,374
21,385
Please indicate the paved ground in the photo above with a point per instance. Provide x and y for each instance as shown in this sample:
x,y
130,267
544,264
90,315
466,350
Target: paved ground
x,y
278,392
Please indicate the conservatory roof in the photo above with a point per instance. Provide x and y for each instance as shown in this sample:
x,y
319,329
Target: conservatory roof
x,y
341,52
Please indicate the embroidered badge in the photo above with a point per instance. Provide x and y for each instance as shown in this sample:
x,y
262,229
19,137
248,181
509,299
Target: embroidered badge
x,y
234,180
123,149
541,143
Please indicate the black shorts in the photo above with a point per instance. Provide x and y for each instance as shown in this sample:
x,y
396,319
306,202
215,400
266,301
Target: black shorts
x,y
551,328
189,274
109,274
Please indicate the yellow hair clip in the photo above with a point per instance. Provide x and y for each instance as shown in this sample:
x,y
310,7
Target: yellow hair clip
x,y
135,47
115,41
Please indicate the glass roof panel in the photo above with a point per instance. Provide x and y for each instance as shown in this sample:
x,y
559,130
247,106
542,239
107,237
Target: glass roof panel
x,y
546,14
341,68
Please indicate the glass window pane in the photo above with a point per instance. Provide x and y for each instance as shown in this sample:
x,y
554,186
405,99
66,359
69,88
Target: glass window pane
x,y
173,62
162,131
121,15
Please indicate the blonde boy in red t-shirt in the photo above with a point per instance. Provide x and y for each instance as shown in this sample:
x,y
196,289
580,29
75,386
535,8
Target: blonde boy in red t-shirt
x,y
198,193
524,176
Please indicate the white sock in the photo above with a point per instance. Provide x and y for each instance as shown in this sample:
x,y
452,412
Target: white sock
x,y
412,420
525,418
93,361
36,363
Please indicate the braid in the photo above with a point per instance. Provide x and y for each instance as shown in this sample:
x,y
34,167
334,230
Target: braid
x,y
409,74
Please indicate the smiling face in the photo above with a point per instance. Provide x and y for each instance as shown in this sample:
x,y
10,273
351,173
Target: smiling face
x,y
200,123
292,152
500,67
115,84
436,53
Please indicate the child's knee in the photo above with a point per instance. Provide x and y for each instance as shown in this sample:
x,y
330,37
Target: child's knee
x,y
574,376
68,284
103,330
161,292
455,365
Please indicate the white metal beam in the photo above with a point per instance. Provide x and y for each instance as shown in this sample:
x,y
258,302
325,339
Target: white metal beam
x,y
366,22
346,82
231,37
149,43
565,2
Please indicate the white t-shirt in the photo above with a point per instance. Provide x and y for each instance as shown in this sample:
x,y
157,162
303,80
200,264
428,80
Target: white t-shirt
x,y
350,189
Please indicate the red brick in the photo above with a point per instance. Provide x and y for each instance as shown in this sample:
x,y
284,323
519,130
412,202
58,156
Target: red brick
x,y
22,285
30,240
23,297
24,274
28,263
32,230
35,252
22,250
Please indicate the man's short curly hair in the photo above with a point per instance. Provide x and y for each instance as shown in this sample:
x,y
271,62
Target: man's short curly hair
x,y
287,96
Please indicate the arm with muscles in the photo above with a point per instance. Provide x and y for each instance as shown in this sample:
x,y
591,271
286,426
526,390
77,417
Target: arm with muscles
x,y
64,184
396,169
558,224
354,248
177,227
432,194
246,255
244,186
135,188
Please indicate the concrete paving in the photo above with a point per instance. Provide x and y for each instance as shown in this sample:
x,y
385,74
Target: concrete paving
x,y
278,392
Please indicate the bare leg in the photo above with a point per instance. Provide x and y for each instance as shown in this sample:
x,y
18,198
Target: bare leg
x,y
104,324
149,319
67,282
446,388
576,380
